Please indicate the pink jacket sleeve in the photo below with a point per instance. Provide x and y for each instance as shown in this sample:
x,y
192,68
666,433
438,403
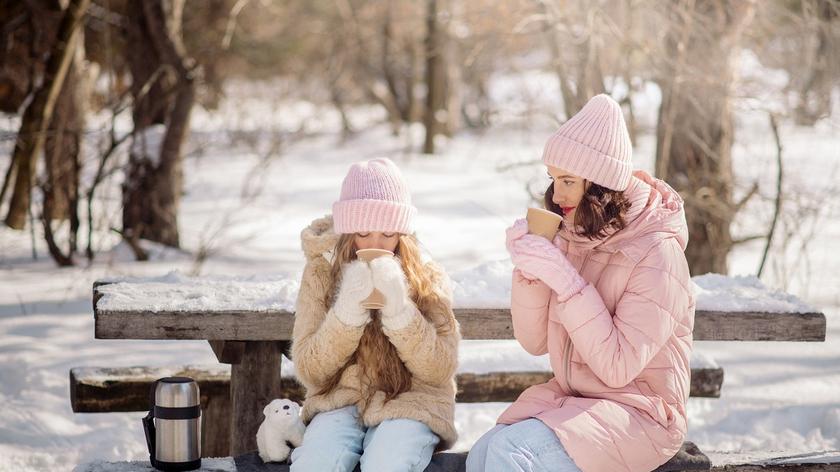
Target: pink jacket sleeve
x,y
617,348
529,302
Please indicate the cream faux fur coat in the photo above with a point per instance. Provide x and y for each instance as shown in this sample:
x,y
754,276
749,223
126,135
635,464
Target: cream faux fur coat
x,y
322,344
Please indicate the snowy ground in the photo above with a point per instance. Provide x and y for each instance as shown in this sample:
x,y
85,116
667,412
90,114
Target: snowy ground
x,y
247,210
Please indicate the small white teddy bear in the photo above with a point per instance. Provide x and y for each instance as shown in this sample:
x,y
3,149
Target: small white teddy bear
x,y
281,427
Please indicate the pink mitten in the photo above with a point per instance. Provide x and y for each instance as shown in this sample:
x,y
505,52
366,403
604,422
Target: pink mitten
x,y
513,234
537,256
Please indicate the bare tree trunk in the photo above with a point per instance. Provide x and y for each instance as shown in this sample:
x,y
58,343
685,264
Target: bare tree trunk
x,y
396,105
695,128
585,80
454,88
591,79
19,28
550,25
814,101
164,90
62,148
38,115
413,80
436,108
400,98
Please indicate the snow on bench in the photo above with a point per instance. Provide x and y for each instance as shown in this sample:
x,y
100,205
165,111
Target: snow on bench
x,y
261,308
220,464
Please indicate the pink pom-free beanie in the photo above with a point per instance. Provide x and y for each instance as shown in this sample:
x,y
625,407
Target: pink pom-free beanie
x,y
594,144
374,197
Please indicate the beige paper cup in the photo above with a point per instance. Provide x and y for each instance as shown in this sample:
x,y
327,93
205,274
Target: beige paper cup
x,y
376,300
543,222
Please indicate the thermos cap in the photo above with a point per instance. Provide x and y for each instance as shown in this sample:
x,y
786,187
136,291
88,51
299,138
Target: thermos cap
x,y
173,380
177,392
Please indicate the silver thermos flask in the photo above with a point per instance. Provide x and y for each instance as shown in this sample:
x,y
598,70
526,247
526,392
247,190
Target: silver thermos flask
x,y
173,425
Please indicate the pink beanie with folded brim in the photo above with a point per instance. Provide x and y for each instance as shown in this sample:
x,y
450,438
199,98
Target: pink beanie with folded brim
x,y
594,144
374,197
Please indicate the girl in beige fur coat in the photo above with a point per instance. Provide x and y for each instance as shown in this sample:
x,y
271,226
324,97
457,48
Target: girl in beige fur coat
x,y
380,388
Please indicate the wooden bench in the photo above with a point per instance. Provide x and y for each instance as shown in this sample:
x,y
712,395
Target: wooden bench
x,y
252,341
126,389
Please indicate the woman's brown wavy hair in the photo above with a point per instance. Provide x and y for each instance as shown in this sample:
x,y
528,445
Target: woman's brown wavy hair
x,y
378,360
599,211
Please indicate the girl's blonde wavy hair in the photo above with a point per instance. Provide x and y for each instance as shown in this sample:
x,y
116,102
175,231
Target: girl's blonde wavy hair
x,y
379,363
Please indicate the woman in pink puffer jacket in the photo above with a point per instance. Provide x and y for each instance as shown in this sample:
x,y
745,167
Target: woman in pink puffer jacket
x,y
610,301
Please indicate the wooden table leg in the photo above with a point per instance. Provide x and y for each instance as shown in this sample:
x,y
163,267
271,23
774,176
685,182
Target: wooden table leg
x,y
254,382
215,426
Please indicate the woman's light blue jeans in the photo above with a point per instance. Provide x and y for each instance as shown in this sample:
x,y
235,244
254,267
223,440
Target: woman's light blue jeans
x,y
335,441
528,446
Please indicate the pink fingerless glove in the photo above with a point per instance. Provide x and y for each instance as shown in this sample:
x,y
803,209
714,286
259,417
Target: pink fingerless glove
x,y
512,234
538,256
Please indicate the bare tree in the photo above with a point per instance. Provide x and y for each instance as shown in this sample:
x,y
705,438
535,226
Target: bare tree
x,y
38,115
822,21
436,68
695,128
163,90
575,51
63,160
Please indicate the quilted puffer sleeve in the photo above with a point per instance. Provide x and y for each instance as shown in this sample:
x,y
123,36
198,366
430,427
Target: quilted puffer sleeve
x,y
529,301
618,346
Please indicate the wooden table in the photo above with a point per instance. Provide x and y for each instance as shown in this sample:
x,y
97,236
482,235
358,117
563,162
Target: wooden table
x,y
253,342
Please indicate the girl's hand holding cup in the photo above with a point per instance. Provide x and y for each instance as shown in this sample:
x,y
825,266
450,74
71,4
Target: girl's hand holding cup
x,y
389,278
538,223
376,300
356,285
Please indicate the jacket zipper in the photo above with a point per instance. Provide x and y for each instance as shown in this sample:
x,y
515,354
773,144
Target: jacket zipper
x,y
567,349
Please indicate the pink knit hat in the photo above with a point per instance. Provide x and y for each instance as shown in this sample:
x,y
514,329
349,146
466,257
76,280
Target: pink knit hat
x,y
594,144
374,197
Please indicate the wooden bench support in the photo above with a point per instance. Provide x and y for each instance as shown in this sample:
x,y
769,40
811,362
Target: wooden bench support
x,y
254,382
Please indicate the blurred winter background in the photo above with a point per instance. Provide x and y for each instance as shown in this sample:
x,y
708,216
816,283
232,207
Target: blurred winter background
x,y
198,138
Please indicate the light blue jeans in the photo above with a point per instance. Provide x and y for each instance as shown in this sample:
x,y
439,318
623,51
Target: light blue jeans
x,y
527,446
335,441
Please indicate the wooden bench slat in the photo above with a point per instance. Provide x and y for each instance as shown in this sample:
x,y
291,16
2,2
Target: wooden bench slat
x,y
476,323
96,390
754,326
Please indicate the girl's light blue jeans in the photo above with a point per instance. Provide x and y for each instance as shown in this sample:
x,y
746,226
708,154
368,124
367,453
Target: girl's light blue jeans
x,y
335,441
528,446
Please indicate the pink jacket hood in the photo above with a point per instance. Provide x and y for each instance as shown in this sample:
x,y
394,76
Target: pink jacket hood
x,y
657,213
